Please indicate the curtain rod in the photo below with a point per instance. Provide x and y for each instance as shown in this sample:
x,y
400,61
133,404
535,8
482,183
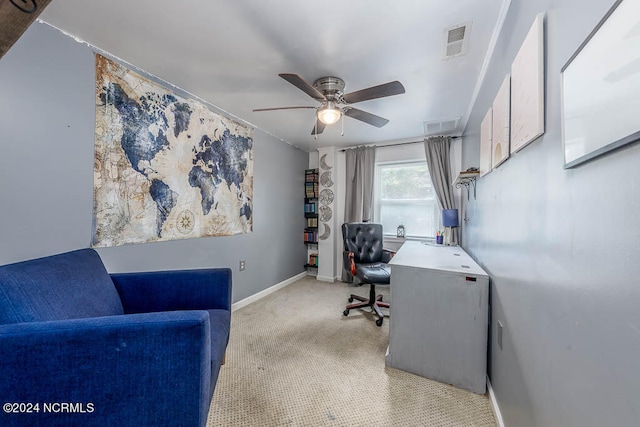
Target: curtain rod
x,y
392,145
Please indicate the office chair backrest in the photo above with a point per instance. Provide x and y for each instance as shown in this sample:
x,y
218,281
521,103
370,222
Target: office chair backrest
x,y
364,239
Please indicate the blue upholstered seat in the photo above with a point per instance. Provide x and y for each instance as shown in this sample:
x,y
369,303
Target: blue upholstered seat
x,y
143,349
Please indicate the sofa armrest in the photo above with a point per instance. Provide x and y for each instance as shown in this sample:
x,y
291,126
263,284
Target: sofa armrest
x,y
141,369
203,289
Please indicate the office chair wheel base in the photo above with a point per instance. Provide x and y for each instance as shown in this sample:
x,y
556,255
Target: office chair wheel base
x,y
379,322
350,299
345,313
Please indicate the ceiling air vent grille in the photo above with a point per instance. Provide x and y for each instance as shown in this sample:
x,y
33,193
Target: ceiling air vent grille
x,y
441,127
456,40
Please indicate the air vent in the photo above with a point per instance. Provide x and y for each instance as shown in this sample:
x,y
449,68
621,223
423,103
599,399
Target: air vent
x,y
456,40
441,127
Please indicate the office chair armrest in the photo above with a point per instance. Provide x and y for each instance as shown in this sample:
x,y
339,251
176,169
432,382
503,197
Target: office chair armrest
x,y
387,254
348,262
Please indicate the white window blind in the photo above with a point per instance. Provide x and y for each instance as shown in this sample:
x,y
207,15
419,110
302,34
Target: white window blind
x,y
404,195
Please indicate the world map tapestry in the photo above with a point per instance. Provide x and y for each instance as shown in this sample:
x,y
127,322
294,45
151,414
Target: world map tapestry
x,y
165,167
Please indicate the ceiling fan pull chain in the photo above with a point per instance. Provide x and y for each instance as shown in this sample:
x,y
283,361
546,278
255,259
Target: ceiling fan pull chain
x,y
342,120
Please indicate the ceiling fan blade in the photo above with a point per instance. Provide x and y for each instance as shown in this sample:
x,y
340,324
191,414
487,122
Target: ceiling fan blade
x,y
281,108
320,128
368,118
298,82
380,91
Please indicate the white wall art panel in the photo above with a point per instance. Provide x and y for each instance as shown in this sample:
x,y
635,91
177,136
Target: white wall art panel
x,y
527,88
500,124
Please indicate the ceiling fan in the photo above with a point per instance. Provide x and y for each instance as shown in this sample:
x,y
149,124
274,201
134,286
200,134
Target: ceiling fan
x,y
334,103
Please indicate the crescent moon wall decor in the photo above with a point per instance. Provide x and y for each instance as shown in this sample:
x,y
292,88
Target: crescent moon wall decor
x,y
323,162
327,232
326,218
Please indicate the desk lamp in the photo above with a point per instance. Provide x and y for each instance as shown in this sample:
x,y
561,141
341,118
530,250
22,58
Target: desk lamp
x,y
449,220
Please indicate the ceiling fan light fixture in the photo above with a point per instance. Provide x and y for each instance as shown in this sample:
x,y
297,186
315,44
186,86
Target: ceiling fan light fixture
x,y
334,105
329,114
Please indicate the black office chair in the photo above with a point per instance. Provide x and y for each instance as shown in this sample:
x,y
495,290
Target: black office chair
x,y
365,259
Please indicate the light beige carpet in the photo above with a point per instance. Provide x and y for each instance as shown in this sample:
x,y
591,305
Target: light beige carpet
x,y
294,360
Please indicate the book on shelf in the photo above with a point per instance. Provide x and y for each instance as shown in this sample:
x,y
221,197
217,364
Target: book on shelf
x,y
311,183
311,175
313,260
311,190
310,207
312,222
311,236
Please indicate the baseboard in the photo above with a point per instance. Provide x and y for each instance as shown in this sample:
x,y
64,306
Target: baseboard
x,y
494,405
255,297
325,279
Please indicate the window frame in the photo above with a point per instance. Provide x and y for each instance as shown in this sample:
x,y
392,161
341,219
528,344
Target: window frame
x,y
377,202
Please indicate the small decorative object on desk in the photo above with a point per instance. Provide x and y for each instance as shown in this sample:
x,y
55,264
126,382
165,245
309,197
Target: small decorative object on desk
x,y
400,231
449,220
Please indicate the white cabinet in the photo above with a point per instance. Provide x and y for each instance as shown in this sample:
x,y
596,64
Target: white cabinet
x,y
439,315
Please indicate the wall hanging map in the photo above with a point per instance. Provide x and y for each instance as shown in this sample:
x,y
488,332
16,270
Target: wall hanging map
x,y
165,167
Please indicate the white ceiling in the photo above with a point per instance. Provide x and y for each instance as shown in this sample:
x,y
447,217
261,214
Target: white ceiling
x,y
230,52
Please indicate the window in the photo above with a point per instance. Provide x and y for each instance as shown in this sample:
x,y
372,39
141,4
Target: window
x,y
404,195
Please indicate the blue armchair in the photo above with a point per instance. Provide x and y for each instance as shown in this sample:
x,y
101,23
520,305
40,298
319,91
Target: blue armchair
x,y
81,347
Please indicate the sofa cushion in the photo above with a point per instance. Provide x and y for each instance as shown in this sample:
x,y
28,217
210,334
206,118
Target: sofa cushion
x,y
71,285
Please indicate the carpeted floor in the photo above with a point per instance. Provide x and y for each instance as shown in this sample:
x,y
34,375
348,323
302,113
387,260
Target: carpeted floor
x,y
294,359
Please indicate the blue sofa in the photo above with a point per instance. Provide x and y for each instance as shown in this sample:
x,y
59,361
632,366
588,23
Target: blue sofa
x,y
81,347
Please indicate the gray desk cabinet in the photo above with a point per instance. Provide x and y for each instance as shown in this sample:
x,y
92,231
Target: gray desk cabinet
x,y
439,315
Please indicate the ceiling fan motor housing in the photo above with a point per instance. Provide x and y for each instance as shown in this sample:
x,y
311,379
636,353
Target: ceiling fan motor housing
x,y
331,87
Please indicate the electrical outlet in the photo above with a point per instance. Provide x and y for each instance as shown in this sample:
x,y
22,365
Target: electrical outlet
x,y
499,337
242,265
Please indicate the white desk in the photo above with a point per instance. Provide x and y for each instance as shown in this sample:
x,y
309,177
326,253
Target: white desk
x,y
439,315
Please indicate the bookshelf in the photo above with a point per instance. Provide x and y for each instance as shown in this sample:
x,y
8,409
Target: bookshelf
x,y
311,218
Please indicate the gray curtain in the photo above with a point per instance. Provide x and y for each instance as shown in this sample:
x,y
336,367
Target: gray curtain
x,y
359,167
360,164
438,151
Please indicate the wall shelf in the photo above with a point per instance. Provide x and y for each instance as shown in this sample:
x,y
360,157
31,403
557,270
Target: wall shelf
x,y
311,219
467,179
